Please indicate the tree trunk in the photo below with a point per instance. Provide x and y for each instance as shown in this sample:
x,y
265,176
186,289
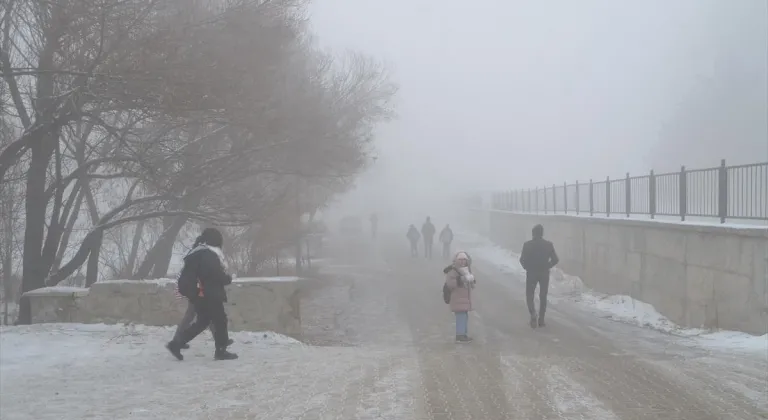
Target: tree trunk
x,y
68,231
137,235
298,256
253,251
92,272
7,265
165,247
159,256
34,273
53,237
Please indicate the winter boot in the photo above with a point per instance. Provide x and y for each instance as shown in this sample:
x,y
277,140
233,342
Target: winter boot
x,y
541,322
223,354
463,339
185,347
534,322
175,349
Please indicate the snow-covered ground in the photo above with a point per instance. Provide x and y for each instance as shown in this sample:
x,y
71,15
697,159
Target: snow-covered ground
x,y
76,371
617,307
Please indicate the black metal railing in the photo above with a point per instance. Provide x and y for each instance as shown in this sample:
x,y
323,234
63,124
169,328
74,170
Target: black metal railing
x,y
724,192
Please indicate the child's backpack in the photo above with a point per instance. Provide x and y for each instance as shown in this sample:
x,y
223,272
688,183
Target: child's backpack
x,y
446,294
446,290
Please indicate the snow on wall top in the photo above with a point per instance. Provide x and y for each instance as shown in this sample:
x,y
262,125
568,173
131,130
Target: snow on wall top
x,y
158,282
266,279
58,291
757,228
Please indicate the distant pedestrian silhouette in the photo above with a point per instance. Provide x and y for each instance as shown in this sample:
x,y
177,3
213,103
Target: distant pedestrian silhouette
x,y
428,232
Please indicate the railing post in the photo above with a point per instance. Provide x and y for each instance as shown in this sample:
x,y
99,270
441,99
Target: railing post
x,y
652,194
546,207
554,199
608,196
628,203
565,197
528,202
722,191
683,193
536,193
591,198
578,202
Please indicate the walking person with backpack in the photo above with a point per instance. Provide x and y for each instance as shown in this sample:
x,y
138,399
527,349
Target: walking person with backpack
x,y
537,258
202,281
188,319
457,293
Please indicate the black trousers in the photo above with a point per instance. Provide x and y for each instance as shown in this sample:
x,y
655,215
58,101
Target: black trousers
x,y
211,313
531,280
446,249
414,249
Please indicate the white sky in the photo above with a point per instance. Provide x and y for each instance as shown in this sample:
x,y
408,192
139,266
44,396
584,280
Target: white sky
x,y
519,93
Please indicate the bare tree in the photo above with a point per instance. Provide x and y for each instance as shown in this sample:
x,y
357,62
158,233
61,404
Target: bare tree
x,y
170,112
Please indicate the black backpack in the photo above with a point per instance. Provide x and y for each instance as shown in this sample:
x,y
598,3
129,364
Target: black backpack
x,y
446,290
187,282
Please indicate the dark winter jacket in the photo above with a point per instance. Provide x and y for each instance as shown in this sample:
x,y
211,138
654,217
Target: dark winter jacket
x,y
204,263
428,230
413,234
446,236
538,256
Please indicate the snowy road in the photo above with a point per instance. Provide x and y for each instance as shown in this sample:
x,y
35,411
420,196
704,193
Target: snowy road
x,y
383,349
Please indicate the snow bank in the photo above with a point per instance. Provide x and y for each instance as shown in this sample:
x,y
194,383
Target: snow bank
x,y
616,307
97,371
481,248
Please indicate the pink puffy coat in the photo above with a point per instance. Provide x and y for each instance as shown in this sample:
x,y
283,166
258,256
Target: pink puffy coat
x,y
461,297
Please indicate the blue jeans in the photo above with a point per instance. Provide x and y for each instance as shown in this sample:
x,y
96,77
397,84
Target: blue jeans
x,y
462,319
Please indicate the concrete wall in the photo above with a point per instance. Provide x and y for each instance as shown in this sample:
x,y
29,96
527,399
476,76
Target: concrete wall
x,y
257,304
696,275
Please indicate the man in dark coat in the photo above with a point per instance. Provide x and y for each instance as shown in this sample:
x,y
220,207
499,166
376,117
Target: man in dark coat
x,y
202,281
537,258
428,232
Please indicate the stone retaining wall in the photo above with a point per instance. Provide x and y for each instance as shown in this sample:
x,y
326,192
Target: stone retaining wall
x,y
255,304
696,275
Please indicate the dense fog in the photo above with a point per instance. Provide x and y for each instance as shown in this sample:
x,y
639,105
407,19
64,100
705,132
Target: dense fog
x,y
518,94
